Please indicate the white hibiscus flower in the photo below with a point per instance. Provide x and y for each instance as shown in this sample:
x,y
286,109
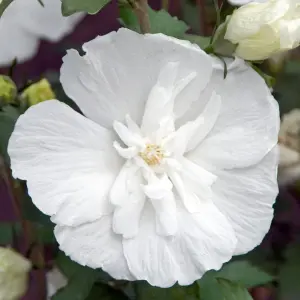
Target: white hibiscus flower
x,y
25,22
171,172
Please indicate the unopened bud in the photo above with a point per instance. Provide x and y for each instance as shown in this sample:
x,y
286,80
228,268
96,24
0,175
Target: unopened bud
x,y
8,90
38,92
14,270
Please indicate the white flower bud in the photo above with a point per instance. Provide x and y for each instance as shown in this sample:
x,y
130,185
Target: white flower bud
x,y
289,142
14,270
264,29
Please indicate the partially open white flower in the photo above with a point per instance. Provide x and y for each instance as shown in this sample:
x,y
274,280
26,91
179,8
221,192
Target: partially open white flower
x,y
14,270
25,22
261,30
171,172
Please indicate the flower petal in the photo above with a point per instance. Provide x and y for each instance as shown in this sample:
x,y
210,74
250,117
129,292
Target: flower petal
x,y
193,185
246,197
189,135
161,196
125,184
95,245
160,103
204,241
99,83
67,161
24,22
261,45
246,130
44,22
129,198
16,42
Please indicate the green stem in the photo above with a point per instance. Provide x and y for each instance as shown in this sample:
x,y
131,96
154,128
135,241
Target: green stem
x,y
165,5
140,8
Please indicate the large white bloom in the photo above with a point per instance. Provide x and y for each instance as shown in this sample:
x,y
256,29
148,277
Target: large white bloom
x,y
171,172
263,29
25,22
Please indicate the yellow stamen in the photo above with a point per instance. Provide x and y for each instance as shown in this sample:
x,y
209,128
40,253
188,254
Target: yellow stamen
x,y
152,155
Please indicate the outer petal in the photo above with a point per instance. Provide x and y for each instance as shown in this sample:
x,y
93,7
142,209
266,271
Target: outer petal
x,y
246,197
46,21
248,124
16,42
248,19
24,22
95,245
204,241
67,161
101,79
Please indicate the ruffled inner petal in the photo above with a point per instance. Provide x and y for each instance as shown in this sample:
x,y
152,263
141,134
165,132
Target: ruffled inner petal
x,y
129,198
161,196
189,135
193,184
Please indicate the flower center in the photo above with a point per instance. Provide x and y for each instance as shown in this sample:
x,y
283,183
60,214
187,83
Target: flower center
x,y
152,155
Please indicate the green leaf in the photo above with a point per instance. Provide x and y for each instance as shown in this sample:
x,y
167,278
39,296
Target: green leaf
x,y
6,233
32,213
104,292
245,273
145,291
3,5
233,291
70,267
190,15
289,274
8,118
213,288
160,21
80,279
45,233
202,41
91,7
209,287
78,287
287,88
220,45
